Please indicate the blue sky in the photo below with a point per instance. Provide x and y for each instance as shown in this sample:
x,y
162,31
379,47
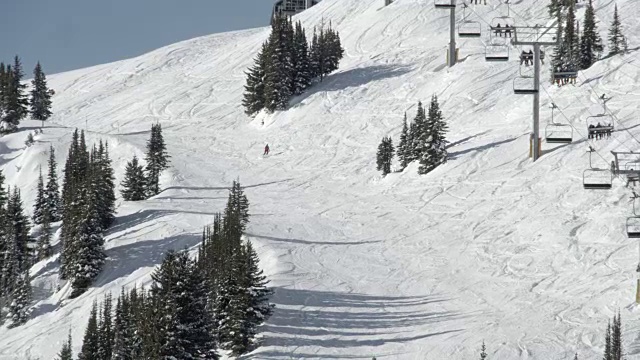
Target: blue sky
x,y
71,34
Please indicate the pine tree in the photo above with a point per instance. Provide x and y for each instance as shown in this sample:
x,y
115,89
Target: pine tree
x,y
301,70
555,7
105,331
617,41
433,142
616,338
259,309
335,52
236,215
230,306
133,185
15,101
591,44
40,204
43,243
569,41
157,160
279,68
105,188
91,341
385,156
315,56
483,352
52,194
40,96
607,344
66,353
19,231
403,146
418,131
254,97
19,308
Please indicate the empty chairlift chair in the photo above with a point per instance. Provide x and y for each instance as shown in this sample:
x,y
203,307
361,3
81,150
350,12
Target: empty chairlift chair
x,y
556,133
596,178
468,28
524,85
633,222
496,52
445,4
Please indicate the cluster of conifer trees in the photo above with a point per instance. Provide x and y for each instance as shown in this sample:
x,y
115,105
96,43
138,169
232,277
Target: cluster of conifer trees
x,y
579,51
423,140
287,65
88,207
143,182
193,307
14,103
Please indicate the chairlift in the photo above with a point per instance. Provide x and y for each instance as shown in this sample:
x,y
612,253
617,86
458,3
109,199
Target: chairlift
x,y
556,133
524,85
599,124
564,74
596,178
503,24
467,28
445,4
496,52
633,222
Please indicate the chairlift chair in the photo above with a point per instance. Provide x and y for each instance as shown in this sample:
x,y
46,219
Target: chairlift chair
x,y
561,75
496,52
524,85
599,124
501,24
633,222
445,4
556,133
595,178
470,29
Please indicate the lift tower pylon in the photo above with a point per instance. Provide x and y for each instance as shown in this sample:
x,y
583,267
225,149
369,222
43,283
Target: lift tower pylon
x,y
451,6
536,36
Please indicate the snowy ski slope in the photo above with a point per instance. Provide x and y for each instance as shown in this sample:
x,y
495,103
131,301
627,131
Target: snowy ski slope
x,y
487,247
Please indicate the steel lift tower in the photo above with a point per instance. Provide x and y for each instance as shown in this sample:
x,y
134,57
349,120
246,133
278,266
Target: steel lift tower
x,y
451,6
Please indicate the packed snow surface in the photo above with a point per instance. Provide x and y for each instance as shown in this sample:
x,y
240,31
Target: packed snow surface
x,y
488,247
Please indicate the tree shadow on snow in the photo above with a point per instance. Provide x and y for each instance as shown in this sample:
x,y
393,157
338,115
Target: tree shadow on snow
x,y
218,188
454,154
352,78
309,242
342,320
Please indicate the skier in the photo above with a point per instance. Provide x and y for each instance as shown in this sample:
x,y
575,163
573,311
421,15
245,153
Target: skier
x,y
266,150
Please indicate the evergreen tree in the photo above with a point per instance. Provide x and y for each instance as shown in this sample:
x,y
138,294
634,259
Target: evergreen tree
x,y
335,52
617,41
52,195
40,96
18,231
259,309
66,353
133,185
591,44
105,331
19,308
157,160
91,341
570,40
236,216
279,67
230,306
301,70
418,131
433,142
15,101
555,7
105,188
40,204
254,96
483,352
616,338
3,89
403,146
315,57
43,243
385,156
607,344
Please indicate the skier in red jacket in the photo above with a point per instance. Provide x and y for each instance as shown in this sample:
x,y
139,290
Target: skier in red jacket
x,y
266,150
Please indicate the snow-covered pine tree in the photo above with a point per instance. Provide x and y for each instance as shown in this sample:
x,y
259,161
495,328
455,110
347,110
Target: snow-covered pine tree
x,y
259,309
91,341
30,140
418,132
555,6
334,50
617,40
230,307
253,98
88,241
19,230
16,101
19,307
483,352
385,155
591,44
40,203
105,330
71,211
157,160
52,195
569,41
187,325
434,143
315,56
40,96
616,338
279,68
105,188
43,242
556,58
3,88
607,344
66,353
133,185
402,150
301,69
236,214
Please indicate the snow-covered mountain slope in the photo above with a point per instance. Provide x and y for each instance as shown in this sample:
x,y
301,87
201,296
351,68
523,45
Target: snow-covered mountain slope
x,y
489,246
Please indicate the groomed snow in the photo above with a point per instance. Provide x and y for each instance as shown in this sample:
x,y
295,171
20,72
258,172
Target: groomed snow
x,y
488,247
